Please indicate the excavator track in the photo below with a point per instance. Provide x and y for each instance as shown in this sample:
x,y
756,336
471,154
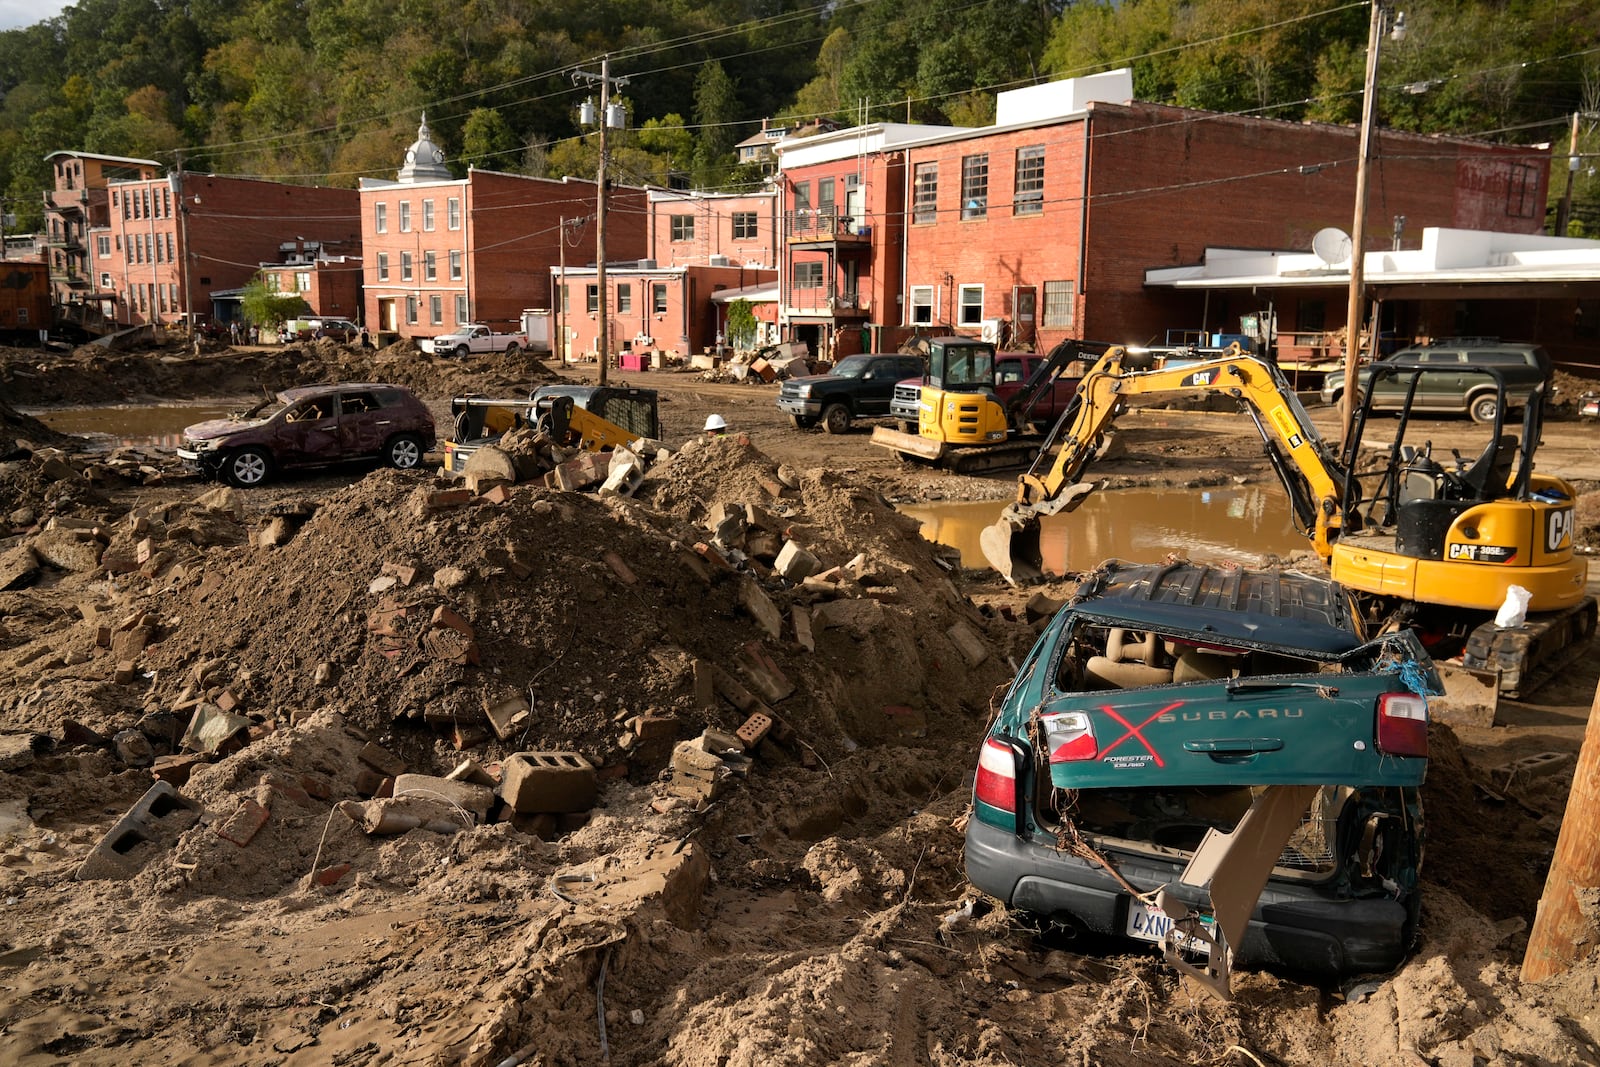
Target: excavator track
x,y
1527,656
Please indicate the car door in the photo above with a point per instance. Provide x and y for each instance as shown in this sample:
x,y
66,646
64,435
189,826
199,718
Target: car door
x,y
877,387
360,430
1443,386
309,433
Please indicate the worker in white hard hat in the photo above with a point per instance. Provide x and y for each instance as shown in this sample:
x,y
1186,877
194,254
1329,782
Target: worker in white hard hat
x,y
716,426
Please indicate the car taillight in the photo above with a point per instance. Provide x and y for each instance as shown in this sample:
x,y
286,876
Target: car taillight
x,y
1402,725
996,783
1069,737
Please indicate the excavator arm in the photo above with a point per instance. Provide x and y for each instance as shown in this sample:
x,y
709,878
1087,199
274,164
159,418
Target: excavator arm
x,y
1315,482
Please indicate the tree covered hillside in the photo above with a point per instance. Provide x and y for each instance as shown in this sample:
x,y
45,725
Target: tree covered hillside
x,y
328,91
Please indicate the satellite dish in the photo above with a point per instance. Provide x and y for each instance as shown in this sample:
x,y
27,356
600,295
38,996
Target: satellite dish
x,y
1332,246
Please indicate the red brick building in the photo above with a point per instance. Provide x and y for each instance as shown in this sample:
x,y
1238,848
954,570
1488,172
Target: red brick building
x,y
78,205
329,284
1042,226
24,299
439,251
688,228
1045,224
228,225
649,307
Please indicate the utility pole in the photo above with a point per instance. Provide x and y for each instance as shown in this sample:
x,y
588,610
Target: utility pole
x,y
558,342
605,117
183,239
1564,216
1562,931
1355,312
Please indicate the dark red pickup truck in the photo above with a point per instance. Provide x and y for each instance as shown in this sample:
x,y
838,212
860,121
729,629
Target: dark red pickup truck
x,y
1011,370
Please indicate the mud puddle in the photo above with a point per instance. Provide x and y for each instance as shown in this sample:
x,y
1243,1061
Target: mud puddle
x,y
1247,524
129,426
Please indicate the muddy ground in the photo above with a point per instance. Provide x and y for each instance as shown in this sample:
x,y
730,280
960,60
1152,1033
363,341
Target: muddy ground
x,y
815,913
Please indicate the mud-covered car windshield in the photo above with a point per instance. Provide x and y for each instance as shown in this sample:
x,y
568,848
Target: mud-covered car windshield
x,y
264,409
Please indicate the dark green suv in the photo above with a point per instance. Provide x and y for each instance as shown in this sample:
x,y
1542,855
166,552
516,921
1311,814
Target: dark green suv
x,y
1449,384
1166,704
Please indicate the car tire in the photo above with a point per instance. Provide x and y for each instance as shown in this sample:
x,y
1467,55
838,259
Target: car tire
x,y
512,350
1482,407
802,422
461,352
403,452
247,468
836,418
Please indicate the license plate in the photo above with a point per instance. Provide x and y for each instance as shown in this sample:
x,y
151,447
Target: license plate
x,y
1590,408
1148,923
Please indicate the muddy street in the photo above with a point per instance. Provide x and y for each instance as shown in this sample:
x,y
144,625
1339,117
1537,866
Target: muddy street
x,y
561,777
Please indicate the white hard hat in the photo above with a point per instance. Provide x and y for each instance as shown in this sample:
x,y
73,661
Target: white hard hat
x,y
716,422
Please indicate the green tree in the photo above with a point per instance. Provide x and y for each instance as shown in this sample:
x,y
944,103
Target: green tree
x,y
487,141
716,112
265,307
741,324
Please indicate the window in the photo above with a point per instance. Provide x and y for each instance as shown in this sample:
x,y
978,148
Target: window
x,y
380,218
405,216
658,297
971,310
461,309
808,275
802,196
683,227
1311,315
921,305
1057,305
744,226
592,297
171,250
146,198
430,267
624,299
925,193
411,309
453,212
105,283
102,246
383,266
455,265
1029,196
427,215
166,203
436,310
405,268
975,186
825,195
302,281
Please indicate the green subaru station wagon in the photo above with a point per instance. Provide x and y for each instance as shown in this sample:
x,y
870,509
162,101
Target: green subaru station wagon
x,y
1453,379
1162,703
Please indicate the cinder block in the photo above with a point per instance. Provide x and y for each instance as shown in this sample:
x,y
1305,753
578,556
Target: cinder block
x,y
553,782
474,798
152,825
795,563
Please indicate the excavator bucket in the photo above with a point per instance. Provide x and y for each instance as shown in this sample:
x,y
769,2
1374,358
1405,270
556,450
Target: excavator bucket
x,y
1011,545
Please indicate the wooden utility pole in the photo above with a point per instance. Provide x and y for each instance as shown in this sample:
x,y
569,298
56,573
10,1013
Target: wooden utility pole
x,y
604,336
1564,216
1562,932
558,331
1355,312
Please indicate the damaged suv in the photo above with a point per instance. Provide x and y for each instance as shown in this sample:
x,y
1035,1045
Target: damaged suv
x,y
1217,761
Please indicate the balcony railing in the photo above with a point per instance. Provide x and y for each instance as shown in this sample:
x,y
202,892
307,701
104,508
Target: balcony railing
x,y
844,304
815,225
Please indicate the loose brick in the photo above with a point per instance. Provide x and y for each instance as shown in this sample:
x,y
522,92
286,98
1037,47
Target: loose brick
x,y
246,821
381,759
620,569
754,730
449,498
764,673
331,875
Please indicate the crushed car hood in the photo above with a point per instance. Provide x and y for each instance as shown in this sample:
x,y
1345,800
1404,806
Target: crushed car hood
x,y
214,428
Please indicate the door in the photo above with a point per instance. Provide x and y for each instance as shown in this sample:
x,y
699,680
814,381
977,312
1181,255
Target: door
x,y
1024,304
853,206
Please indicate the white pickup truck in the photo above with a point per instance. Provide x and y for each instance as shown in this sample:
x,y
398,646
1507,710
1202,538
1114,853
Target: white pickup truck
x,y
471,338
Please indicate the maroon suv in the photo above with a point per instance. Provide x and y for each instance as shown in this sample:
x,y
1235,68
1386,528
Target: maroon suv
x,y
312,426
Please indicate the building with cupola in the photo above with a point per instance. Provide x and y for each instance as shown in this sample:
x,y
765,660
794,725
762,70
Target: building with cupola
x,y
440,250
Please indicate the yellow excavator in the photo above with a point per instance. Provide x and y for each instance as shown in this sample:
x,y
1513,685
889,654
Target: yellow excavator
x,y
1419,542
594,418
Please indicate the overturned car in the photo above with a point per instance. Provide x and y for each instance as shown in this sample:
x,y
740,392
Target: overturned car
x,y
1213,760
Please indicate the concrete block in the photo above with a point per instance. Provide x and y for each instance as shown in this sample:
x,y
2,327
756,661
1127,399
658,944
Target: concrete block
x,y
801,618
795,563
588,468
477,799
381,760
151,826
690,758
968,643
625,473
760,606
553,782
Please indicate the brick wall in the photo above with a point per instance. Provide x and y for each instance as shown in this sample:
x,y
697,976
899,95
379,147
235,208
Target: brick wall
x,y
711,230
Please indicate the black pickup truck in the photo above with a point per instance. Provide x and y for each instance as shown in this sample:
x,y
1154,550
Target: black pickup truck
x,y
858,387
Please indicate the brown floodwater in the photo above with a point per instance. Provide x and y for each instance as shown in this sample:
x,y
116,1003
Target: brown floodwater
x,y
1245,524
127,426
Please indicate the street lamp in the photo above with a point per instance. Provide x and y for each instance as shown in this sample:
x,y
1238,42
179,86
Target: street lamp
x,y
1356,312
